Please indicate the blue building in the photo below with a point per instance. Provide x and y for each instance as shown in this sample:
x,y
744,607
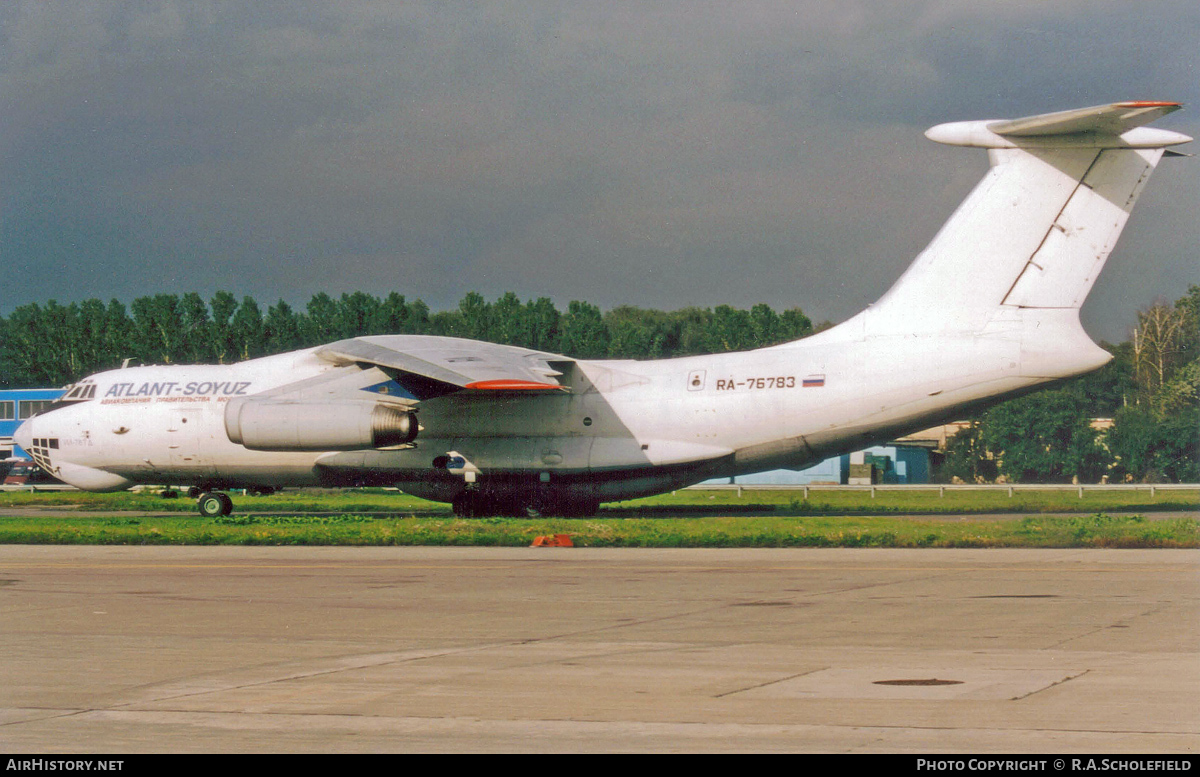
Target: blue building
x,y
894,464
16,405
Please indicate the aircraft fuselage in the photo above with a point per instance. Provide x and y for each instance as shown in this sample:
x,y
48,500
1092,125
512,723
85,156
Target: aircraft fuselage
x,y
621,429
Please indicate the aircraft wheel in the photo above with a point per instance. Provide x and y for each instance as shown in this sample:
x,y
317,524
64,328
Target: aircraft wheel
x,y
214,504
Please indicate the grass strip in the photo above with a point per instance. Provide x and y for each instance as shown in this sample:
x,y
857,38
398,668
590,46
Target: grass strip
x,y
686,502
1040,531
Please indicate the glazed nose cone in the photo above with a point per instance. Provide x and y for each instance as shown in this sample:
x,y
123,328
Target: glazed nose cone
x,y
23,436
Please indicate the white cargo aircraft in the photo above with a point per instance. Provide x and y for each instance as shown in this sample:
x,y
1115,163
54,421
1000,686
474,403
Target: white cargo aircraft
x,y
989,310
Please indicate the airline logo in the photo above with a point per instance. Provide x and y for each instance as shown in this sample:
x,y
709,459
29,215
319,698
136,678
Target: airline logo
x,y
172,388
174,391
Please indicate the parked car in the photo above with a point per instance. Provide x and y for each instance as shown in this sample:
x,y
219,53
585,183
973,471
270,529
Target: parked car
x,y
25,473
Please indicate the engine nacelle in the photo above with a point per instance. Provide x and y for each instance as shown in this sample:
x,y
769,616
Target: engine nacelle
x,y
266,425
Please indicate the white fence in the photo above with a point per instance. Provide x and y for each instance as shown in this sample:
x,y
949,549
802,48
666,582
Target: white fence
x,y
1152,488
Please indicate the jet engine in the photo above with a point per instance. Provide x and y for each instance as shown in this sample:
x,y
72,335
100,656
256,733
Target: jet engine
x,y
266,425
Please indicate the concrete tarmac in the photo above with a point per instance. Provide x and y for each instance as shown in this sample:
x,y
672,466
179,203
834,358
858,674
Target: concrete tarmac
x,y
168,649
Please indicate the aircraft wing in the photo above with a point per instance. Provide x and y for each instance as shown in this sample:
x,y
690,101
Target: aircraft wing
x,y
429,366
367,400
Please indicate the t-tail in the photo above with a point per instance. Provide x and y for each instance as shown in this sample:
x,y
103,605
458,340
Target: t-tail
x,y
1021,253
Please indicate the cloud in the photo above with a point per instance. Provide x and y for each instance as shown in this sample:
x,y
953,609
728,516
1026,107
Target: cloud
x,y
661,154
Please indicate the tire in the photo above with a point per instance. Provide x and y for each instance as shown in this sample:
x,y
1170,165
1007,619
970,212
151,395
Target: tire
x,y
212,505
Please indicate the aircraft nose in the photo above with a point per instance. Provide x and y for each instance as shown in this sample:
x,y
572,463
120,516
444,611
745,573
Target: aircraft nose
x,y
23,435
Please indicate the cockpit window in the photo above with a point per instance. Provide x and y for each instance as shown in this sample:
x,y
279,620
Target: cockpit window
x,y
80,392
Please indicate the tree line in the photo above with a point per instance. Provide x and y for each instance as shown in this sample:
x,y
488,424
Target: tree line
x,y
1149,390
54,344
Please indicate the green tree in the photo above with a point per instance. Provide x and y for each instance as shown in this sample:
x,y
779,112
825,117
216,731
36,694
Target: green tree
x,y
731,330
584,334
225,348
542,325
635,333
966,458
793,325
246,328
31,347
392,316
1149,448
1045,437
447,323
1160,345
357,315
320,325
281,328
418,318
158,327
118,335
1109,388
691,329
197,341
476,318
505,321
764,322
1157,435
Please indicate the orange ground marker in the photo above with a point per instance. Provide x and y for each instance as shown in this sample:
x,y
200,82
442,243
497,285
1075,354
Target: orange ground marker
x,y
553,541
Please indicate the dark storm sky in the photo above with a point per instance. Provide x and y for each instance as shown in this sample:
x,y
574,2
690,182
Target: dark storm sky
x,y
655,154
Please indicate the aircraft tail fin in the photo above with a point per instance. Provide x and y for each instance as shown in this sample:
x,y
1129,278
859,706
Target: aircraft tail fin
x,y
1038,228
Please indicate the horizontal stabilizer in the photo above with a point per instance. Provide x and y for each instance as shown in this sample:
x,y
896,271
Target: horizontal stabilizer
x,y
1114,119
1117,125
